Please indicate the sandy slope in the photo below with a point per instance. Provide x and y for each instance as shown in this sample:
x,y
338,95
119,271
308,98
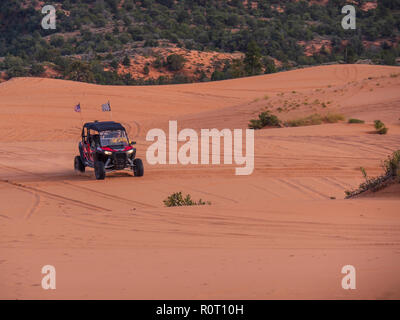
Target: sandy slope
x,y
274,234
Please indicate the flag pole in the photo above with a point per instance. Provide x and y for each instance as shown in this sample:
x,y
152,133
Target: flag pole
x,y
109,105
84,94
79,110
81,113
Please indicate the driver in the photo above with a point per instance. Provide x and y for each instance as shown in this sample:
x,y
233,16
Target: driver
x,y
95,140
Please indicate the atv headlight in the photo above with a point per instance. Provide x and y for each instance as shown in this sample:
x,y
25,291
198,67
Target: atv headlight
x,y
108,153
129,151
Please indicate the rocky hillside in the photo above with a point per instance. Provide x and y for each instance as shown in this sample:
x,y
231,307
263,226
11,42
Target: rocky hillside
x,y
167,41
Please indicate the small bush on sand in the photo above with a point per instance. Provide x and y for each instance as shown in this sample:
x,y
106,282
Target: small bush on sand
x,y
333,118
265,119
315,119
177,200
380,127
356,121
378,124
364,172
383,130
392,164
391,167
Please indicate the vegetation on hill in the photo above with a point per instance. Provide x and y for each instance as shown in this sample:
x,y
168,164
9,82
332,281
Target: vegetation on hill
x,y
353,120
177,200
391,167
380,127
102,33
266,119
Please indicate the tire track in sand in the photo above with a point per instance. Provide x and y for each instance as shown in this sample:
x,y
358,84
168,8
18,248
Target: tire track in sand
x,y
49,194
36,203
108,196
97,193
302,189
58,197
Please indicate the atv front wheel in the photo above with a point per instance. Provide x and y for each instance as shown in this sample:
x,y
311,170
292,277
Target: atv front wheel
x,y
138,169
78,164
99,170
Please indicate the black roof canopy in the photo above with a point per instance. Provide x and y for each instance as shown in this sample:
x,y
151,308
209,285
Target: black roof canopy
x,y
103,126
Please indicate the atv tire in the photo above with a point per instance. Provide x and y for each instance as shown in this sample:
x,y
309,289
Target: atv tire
x,y
138,169
99,170
78,164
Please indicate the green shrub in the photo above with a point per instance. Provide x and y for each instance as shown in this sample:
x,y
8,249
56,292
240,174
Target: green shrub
x,y
177,200
255,124
79,71
126,61
392,164
392,175
378,124
333,118
356,121
175,62
264,119
380,127
315,119
383,130
37,69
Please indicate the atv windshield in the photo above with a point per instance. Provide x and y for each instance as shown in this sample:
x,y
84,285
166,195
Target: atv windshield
x,y
114,138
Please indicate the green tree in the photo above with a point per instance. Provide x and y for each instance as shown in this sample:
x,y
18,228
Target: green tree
x,y
126,61
349,55
37,69
15,67
388,57
252,60
269,65
79,71
175,62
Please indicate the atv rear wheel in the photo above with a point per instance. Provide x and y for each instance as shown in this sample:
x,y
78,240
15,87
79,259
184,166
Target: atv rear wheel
x,y
78,164
138,169
99,170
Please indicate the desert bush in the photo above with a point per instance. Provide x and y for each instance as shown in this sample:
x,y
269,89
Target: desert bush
x,y
364,172
79,71
380,127
332,118
175,62
177,200
378,124
126,61
391,167
392,164
352,120
37,69
265,119
383,130
315,119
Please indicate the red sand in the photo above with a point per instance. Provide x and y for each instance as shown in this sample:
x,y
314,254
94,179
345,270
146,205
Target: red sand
x,y
274,234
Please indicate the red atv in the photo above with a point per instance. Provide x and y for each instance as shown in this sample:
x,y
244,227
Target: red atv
x,y
105,147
